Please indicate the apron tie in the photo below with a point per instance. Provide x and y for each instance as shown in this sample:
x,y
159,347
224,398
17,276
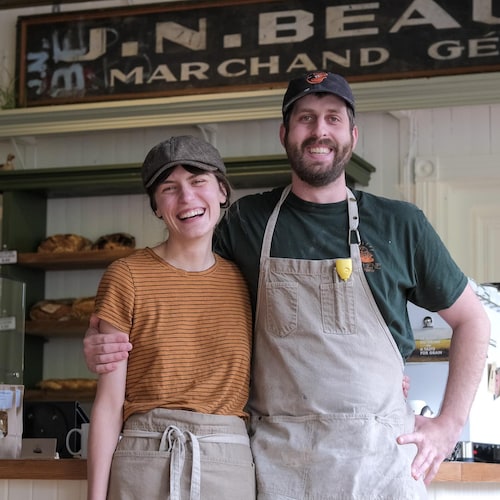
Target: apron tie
x,y
173,440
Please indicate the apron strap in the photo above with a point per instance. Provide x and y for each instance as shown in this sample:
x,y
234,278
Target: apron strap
x,y
271,223
354,238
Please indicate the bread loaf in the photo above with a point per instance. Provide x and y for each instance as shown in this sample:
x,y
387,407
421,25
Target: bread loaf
x,y
82,308
114,241
62,309
55,310
64,243
73,384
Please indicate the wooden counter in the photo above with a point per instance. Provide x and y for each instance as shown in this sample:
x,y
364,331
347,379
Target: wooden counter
x,y
68,468
76,469
468,472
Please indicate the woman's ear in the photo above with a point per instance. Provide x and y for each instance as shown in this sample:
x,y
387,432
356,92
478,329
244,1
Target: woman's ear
x,y
223,194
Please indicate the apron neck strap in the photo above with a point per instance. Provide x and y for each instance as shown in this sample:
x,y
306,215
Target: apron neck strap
x,y
271,224
352,208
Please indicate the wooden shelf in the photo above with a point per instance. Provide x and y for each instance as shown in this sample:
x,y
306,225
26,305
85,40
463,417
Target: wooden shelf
x,y
125,179
46,328
62,395
64,261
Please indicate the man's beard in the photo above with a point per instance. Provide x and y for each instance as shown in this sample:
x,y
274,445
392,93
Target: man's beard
x,y
318,174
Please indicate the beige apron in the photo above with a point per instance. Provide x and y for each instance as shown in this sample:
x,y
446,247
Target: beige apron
x,y
182,455
326,397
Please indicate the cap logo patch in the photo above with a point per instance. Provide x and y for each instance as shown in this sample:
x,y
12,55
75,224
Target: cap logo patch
x,y
316,77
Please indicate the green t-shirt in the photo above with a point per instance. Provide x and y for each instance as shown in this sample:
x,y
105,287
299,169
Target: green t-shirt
x,y
403,257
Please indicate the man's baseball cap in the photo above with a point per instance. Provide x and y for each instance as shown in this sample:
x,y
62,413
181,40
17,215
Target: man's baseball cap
x,y
180,150
317,81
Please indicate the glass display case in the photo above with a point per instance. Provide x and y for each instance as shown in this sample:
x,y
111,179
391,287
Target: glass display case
x,y
12,314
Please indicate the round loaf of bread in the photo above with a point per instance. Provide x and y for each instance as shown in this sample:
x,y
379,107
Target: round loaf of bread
x,y
114,241
64,243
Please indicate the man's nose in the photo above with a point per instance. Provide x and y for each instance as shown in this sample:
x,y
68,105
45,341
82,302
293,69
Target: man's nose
x,y
321,128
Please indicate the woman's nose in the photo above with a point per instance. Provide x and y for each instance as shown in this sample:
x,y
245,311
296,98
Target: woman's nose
x,y
186,193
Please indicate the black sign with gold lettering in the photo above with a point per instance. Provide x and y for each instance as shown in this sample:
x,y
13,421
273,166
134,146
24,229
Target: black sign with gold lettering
x,y
227,45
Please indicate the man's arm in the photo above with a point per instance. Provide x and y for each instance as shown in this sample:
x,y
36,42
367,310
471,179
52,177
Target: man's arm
x,y
103,351
436,437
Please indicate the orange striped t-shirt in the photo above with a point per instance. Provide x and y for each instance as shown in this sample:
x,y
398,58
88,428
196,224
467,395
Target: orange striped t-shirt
x,y
191,333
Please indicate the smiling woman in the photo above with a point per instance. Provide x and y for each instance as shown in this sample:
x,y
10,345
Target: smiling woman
x,y
189,200
187,313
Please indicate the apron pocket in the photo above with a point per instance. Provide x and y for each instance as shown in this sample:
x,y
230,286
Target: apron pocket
x,y
227,472
139,475
282,297
337,308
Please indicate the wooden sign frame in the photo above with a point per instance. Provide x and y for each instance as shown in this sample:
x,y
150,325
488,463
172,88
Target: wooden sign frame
x,y
205,47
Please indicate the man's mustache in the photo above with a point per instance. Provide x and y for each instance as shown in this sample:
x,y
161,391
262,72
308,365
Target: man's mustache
x,y
321,142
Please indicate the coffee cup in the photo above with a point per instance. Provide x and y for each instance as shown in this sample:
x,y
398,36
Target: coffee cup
x,y
417,405
84,438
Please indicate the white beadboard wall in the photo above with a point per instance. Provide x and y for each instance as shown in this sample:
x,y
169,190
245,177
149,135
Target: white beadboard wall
x,y
457,181
77,490
391,142
24,489
464,491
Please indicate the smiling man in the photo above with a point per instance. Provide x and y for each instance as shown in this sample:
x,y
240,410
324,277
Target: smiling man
x,y
329,419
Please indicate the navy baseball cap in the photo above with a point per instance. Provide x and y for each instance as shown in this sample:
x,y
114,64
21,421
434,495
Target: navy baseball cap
x,y
317,81
180,150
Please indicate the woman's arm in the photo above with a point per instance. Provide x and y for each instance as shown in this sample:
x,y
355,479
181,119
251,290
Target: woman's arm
x,y
105,424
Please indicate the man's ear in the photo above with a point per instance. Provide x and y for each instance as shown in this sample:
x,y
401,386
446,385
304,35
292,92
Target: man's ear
x,y
355,133
282,134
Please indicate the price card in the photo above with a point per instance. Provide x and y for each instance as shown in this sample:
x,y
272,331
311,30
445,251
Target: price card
x,y
8,257
7,323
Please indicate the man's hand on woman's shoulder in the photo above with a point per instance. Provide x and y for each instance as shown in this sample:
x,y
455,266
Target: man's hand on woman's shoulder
x,y
103,351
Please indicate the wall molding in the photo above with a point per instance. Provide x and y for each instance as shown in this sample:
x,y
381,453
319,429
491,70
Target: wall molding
x,y
393,95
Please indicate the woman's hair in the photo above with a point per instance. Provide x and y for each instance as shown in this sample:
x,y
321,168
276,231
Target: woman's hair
x,y
221,178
